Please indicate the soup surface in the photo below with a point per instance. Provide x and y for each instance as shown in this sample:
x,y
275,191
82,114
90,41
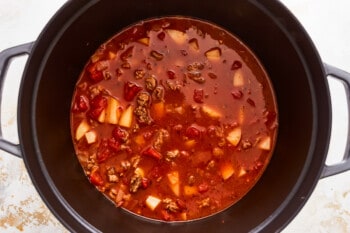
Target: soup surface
x,y
173,119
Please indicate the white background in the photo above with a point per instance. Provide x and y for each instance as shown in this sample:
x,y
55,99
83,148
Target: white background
x,y
328,210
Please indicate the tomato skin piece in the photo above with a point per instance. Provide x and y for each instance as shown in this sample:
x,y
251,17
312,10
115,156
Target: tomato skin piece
x,y
151,152
95,75
104,152
96,179
130,90
98,104
81,104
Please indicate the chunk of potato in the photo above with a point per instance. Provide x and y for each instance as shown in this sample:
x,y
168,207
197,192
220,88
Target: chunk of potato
x,y
227,170
158,110
234,137
126,117
139,171
91,136
238,78
190,190
82,128
265,143
178,36
144,41
213,54
101,118
111,55
242,172
174,182
194,44
211,112
113,111
152,202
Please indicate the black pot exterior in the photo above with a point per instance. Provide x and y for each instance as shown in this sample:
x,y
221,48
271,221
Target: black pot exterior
x,y
266,27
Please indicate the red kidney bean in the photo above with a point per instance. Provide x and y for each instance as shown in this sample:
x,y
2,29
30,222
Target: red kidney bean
x,y
236,65
161,36
198,95
192,132
237,94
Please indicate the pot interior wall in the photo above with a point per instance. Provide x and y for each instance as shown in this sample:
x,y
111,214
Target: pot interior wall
x,y
71,48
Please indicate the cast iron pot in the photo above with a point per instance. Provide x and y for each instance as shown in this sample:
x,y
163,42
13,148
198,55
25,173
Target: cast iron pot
x,y
298,75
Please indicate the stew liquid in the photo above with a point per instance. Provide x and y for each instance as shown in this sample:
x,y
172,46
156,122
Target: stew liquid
x,y
173,119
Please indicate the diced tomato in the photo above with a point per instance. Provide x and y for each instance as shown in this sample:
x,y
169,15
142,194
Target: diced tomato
x,y
130,90
166,215
114,144
95,74
151,152
103,152
145,182
120,134
81,104
203,187
181,204
98,104
96,178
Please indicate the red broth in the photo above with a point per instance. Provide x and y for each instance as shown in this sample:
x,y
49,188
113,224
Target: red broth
x,y
173,119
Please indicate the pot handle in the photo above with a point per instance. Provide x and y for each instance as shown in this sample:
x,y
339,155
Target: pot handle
x,y
343,165
5,58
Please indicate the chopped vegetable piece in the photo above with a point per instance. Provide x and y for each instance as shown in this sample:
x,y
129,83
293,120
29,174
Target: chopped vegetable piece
x,y
242,172
213,54
91,136
111,55
126,117
96,178
139,171
227,170
144,41
101,118
194,44
178,36
265,143
152,152
238,78
174,181
190,190
113,111
158,110
82,129
234,136
152,202
210,111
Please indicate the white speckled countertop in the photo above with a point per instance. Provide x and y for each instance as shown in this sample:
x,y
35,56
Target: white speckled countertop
x,y
327,210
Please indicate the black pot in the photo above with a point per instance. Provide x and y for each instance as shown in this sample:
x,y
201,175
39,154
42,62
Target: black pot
x,y
298,75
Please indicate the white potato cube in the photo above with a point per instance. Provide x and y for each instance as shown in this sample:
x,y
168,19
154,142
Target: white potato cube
x,y
234,137
82,128
126,117
178,36
152,202
265,143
